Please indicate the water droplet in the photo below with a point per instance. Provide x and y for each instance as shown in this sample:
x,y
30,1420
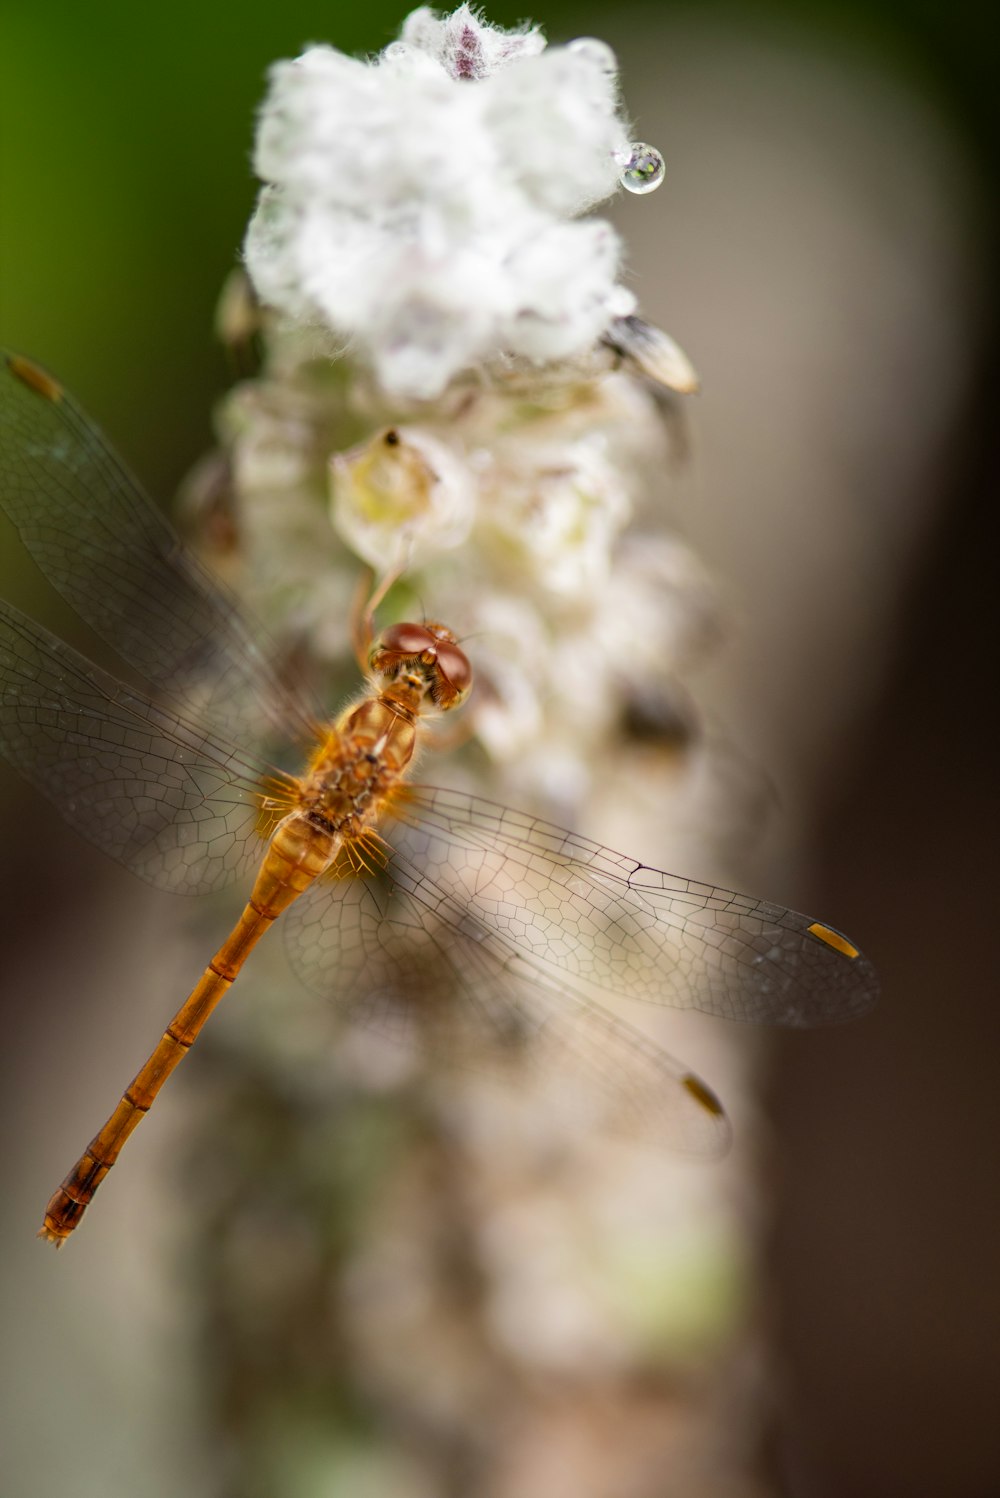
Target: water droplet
x,y
595,51
644,170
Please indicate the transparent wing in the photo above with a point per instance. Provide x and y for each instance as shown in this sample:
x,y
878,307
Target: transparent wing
x,y
108,550
395,954
168,799
592,921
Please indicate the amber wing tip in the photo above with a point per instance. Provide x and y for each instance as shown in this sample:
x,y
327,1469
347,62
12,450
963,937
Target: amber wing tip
x,y
835,939
34,377
703,1095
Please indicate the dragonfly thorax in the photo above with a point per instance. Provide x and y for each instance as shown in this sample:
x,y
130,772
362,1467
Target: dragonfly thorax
x,y
357,764
345,797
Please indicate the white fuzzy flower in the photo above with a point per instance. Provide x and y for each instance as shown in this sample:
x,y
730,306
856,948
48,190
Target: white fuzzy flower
x,y
559,517
423,204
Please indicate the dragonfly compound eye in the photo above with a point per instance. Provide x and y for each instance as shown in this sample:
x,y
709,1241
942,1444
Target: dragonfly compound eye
x,y
455,671
400,642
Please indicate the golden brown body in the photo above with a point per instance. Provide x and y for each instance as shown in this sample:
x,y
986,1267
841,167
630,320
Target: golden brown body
x,y
334,806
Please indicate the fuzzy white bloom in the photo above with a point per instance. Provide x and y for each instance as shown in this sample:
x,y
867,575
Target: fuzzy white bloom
x,y
422,207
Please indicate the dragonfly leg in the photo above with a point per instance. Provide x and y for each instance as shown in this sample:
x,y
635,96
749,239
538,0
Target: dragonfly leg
x,y
367,597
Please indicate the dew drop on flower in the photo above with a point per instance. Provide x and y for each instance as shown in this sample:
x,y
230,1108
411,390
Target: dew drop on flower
x,y
644,170
596,52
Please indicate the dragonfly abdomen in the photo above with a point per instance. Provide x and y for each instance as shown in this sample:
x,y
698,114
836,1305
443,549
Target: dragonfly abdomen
x,y
298,853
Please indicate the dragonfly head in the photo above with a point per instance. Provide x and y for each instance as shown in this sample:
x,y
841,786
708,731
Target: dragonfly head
x,y
425,660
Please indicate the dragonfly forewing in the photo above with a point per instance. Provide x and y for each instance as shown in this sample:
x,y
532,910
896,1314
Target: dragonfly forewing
x,y
104,545
593,921
167,798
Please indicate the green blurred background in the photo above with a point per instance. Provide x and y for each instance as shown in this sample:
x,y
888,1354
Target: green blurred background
x,y
125,187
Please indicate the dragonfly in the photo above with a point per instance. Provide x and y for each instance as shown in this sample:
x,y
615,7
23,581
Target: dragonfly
x,y
438,916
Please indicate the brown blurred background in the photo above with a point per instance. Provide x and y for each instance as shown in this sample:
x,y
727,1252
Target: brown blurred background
x,y
821,248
